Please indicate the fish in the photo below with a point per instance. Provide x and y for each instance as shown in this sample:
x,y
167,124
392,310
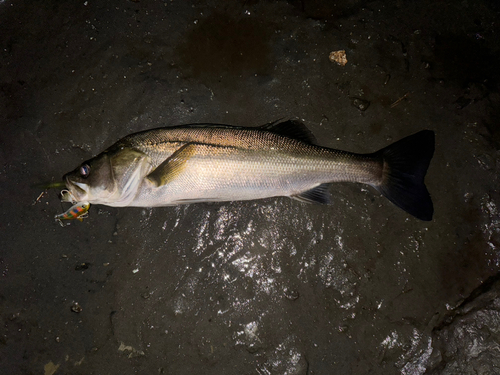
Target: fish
x,y
219,163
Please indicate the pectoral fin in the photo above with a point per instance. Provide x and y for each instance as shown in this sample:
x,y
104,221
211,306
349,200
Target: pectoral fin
x,y
173,166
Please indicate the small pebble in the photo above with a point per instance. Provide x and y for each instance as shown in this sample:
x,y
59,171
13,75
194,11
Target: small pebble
x,y
360,104
76,308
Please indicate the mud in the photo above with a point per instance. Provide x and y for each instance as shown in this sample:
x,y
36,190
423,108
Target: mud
x,y
264,287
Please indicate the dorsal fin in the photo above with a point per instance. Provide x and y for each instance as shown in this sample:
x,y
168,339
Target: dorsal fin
x,y
291,129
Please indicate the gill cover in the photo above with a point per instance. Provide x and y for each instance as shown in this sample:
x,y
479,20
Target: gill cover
x,y
128,167
111,177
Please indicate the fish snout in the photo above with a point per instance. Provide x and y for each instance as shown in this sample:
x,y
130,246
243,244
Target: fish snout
x,y
78,190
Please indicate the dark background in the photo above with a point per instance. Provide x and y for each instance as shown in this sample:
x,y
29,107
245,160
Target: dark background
x,y
265,287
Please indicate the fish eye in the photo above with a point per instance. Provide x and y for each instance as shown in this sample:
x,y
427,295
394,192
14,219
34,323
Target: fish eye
x,y
84,170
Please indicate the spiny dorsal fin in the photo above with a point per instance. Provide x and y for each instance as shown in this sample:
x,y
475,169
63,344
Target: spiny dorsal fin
x,y
319,194
291,129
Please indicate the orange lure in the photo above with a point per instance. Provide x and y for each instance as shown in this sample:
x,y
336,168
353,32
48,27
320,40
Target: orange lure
x,y
77,211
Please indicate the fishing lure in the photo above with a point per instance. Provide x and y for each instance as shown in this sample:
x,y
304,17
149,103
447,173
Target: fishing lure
x,y
78,211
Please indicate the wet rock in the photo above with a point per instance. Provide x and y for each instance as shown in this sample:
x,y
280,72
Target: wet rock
x,y
360,267
467,342
254,343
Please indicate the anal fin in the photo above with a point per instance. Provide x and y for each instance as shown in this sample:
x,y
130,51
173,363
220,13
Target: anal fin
x,y
320,194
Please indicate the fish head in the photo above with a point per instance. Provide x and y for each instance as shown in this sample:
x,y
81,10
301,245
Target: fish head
x,y
92,181
111,178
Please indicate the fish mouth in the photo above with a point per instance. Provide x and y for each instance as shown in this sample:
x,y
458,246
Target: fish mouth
x,y
78,190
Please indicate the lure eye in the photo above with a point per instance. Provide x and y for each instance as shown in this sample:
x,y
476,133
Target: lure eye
x,y
84,170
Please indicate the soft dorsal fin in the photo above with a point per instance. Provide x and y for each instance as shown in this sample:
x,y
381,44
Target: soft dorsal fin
x,y
291,129
319,194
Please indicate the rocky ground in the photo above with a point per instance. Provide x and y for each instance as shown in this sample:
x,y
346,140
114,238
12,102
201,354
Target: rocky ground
x,y
262,287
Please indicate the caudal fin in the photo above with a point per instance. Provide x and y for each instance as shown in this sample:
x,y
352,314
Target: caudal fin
x,y
405,165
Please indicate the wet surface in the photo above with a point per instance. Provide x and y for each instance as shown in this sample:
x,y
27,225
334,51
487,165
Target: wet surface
x,y
267,287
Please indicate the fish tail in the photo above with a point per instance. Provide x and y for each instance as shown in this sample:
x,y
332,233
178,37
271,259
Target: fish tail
x,y
405,164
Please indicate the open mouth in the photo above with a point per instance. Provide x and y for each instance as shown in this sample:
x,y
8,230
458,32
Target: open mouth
x,y
77,189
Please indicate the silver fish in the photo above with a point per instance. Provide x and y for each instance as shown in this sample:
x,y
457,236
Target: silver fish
x,y
215,163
